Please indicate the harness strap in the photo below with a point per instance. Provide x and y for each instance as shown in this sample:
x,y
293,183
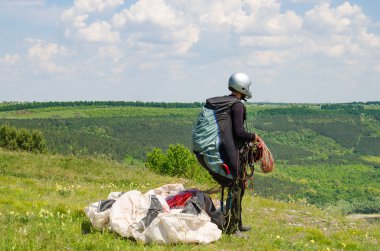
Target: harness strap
x,y
222,199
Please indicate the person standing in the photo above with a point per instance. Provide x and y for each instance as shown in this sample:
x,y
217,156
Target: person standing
x,y
239,84
218,137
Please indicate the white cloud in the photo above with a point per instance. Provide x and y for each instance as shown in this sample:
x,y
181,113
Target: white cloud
x,y
335,51
193,44
258,30
186,38
87,6
248,17
324,19
180,24
271,41
76,17
311,1
79,21
10,59
270,58
68,14
156,12
97,5
28,3
98,32
45,51
377,68
217,14
369,39
168,25
45,55
285,23
161,28
340,32
111,52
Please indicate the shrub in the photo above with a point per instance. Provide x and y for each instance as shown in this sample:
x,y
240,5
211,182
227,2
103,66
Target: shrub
x,y
342,206
156,161
177,161
180,161
21,139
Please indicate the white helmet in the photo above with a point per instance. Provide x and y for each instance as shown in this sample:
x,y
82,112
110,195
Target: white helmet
x,y
240,82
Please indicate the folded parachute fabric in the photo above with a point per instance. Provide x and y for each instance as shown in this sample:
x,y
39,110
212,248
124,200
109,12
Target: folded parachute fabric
x,y
165,215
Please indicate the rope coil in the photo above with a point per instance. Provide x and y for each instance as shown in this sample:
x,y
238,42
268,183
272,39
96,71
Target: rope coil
x,y
262,153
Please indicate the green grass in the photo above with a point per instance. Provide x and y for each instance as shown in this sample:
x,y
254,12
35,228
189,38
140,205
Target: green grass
x,y
350,188
42,199
371,159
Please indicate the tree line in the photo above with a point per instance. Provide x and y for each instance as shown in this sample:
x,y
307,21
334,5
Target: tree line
x,y
14,106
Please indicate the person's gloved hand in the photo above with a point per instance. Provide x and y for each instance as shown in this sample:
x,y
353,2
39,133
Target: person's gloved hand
x,y
257,139
257,148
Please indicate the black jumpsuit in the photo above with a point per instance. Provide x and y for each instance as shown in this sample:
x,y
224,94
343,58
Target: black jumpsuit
x,y
236,192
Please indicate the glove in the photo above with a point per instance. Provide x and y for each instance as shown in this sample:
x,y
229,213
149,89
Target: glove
x,y
260,152
257,139
258,144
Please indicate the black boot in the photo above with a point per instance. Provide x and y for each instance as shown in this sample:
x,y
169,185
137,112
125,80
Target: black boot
x,y
244,228
240,234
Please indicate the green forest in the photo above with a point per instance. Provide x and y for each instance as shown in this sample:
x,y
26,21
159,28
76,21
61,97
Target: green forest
x,y
325,154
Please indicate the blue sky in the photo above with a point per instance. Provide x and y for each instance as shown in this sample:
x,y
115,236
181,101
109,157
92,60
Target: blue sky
x,y
185,50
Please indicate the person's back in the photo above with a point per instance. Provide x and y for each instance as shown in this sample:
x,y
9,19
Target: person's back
x,y
213,140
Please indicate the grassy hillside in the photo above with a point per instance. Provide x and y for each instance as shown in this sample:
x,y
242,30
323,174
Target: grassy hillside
x,y
326,154
297,134
348,188
113,132
42,199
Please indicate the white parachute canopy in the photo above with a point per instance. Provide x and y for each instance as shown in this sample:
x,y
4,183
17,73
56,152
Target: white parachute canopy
x,y
148,218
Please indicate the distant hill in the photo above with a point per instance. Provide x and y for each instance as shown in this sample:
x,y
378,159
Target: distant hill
x,y
117,129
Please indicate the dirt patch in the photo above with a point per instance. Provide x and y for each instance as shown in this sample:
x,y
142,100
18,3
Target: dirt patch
x,y
369,217
23,112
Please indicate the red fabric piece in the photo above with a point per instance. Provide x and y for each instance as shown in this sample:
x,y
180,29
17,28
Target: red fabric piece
x,y
179,200
226,169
